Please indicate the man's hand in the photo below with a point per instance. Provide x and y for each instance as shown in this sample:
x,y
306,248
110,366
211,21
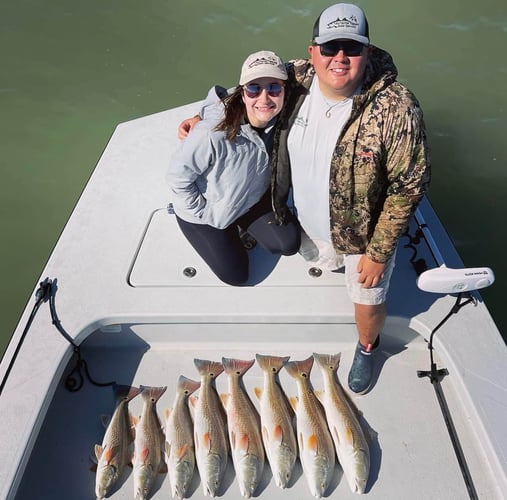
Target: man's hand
x,y
370,273
187,125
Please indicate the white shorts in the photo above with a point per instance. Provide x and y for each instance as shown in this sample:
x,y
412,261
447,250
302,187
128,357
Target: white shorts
x,y
367,296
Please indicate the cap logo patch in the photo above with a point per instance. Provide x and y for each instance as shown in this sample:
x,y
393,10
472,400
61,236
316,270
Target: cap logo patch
x,y
263,60
350,22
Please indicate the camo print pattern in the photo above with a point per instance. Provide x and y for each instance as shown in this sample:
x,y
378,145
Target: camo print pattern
x,y
380,169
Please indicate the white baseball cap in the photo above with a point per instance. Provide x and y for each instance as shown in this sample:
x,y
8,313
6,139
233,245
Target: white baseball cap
x,y
261,64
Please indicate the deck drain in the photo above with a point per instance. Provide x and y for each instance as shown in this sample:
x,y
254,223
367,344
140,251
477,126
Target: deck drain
x,y
315,272
189,272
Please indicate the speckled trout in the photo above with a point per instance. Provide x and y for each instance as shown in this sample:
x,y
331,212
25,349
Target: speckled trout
x,y
115,452
244,428
210,434
316,450
348,436
276,421
149,444
179,439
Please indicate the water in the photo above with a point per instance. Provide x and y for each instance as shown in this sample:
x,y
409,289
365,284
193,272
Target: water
x,y
71,71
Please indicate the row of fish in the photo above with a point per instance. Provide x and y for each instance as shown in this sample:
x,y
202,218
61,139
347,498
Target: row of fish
x,y
326,424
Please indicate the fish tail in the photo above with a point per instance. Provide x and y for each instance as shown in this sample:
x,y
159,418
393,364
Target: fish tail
x,y
187,385
300,369
207,367
329,362
271,363
125,392
238,366
152,393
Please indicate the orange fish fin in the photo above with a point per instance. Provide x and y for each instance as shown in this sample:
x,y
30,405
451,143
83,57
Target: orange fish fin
x,y
349,436
206,441
313,443
278,434
167,413
258,392
109,454
180,452
293,402
224,398
144,454
243,443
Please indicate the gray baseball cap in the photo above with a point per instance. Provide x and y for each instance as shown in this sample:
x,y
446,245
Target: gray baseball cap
x,y
342,21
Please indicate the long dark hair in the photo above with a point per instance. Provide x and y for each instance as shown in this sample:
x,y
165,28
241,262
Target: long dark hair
x,y
234,114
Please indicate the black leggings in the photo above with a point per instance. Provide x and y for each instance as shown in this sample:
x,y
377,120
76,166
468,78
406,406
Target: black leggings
x,y
223,250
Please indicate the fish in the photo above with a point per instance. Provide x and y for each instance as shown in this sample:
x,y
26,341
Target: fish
x,y
115,451
243,423
179,439
316,449
276,421
348,436
210,434
148,458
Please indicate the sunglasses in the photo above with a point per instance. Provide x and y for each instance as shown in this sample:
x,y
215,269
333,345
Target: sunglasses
x,y
253,90
350,48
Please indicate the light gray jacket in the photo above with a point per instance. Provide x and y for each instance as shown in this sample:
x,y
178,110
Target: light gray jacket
x,y
214,181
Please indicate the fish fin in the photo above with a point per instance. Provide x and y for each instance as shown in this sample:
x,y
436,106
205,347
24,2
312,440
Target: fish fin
x,y
300,369
144,454
313,443
237,366
258,392
187,385
243,443
206,441
98,451
349,436
105,420
278,434
293,402
224,398
319,394
336,435
180,452
167,449
208,368
109,453
272,364
134,420
152,394
192,401
167,413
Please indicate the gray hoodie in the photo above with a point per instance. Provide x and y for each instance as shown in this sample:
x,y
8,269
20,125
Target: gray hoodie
x,y
214,181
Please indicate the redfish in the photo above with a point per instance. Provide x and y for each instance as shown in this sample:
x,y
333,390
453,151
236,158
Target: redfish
x,y
244,428
348,436
179,439
276,421
115,452
148,445
210,434
316,450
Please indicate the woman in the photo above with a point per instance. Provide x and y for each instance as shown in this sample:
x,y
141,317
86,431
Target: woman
x,y
220,178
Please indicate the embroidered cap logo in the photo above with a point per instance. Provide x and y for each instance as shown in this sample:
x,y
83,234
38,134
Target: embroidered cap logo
x,y
350,22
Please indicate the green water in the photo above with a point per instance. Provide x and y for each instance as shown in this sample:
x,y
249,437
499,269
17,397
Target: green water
x,y
71,71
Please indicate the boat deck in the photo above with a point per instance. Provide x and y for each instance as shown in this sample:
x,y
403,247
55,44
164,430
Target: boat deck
x,y
122,294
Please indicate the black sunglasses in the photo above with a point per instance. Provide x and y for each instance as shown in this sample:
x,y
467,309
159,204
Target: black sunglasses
x,y
253,90
350,48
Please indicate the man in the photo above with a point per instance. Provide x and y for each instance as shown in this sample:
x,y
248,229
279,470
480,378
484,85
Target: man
x,y
352,147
